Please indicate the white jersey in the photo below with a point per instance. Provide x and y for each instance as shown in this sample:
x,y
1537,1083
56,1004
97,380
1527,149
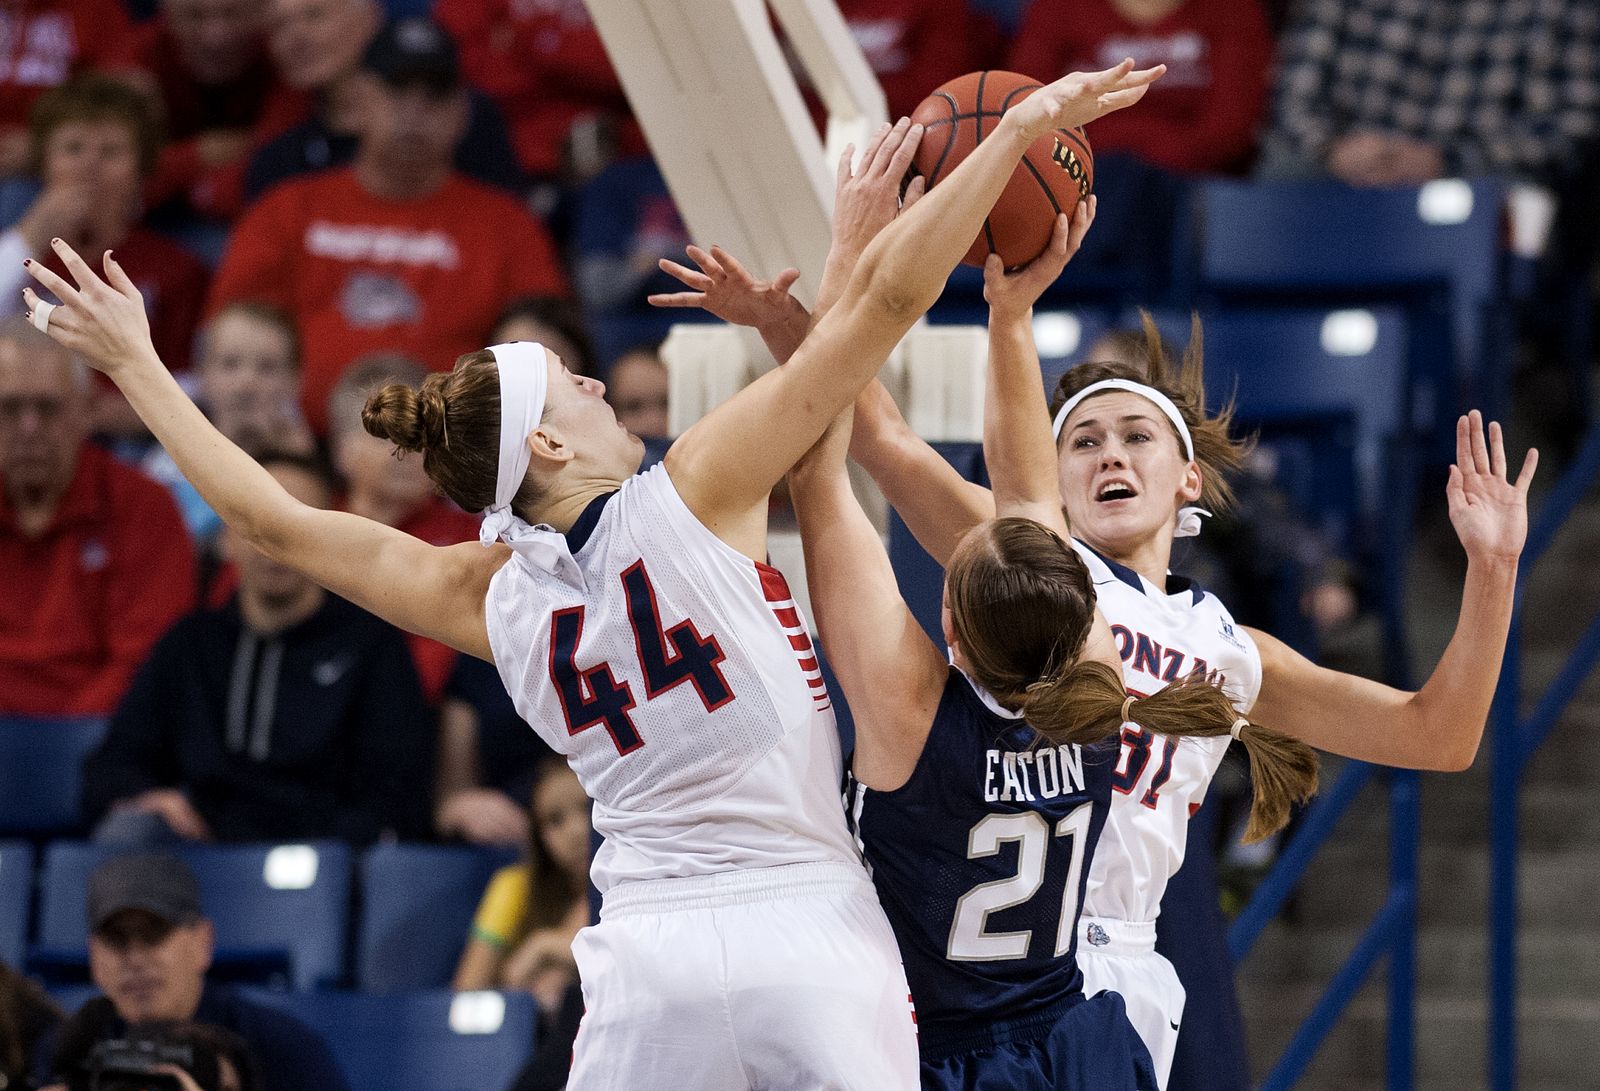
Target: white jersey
x,y
677,677
1159,782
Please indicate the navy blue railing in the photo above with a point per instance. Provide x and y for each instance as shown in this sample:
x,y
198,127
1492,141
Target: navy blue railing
x,y
1513,741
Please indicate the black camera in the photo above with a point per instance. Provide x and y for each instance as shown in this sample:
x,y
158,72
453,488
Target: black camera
x,y
131,1063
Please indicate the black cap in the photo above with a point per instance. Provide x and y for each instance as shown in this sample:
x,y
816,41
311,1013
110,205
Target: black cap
x,y
414,50
157,883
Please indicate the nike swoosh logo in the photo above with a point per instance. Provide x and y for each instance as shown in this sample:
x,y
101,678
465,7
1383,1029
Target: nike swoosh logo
x,y
1174,1025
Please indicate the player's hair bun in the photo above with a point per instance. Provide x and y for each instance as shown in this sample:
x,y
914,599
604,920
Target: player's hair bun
x,y
411,419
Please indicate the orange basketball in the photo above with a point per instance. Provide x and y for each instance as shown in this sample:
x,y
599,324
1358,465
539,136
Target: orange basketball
x,y
1055,173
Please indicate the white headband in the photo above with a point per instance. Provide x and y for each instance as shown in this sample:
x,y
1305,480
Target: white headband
x,y
1188,517
1149,393
524,381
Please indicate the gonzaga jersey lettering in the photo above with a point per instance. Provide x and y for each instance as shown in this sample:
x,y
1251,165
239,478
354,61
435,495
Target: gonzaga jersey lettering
x,y
677,677
979,860
1162,635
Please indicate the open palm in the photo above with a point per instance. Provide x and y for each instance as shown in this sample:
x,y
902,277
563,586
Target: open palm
x,y
1489,511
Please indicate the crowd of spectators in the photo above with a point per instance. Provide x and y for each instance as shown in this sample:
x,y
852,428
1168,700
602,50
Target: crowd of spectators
x,y
315,199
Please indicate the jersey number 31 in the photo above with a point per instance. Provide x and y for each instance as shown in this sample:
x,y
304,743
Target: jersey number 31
x,y
667,657
969,941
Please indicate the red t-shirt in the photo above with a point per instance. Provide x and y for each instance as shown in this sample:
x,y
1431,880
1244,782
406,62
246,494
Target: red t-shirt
x,y
360,274
914,45
255,102
543,63
43,43
87,599
173,283
1203,115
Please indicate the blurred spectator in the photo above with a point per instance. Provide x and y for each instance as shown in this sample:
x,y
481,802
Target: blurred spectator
x,y
195,1056
387,485
913,46
42,44
522,934
248,372
637,392
95,139
544,64
557,324
209,65
289,714
625,222
150,946
1397,92
488,760
378,256
27,1018
1204,114
97,564
318,46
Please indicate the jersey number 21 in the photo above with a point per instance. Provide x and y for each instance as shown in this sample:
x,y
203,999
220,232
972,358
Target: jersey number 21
x,y
969,940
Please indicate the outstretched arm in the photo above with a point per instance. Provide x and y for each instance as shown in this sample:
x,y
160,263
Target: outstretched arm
x,y
891,673
1439,726
726,464
436,592
1017,443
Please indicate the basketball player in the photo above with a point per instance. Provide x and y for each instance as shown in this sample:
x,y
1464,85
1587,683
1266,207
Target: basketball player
x,y
741,942
1136,451
956,760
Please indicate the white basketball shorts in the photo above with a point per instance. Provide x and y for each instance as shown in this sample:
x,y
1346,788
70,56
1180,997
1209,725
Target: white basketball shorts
x,y
1121,956
782,977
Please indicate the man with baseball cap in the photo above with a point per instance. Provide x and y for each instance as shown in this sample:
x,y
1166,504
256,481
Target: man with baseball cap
x,y
150,945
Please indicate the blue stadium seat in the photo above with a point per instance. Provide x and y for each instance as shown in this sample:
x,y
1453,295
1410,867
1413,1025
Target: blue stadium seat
x,y
41,772
16,893
417,903
276,907
1063,332
1436,249
427,1041
1336,381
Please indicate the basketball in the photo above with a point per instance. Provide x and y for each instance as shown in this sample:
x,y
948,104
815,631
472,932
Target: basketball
x,y
1053,176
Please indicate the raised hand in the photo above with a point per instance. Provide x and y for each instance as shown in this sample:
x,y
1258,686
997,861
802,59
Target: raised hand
x,y
103,320
725,288
1489,512
866,196
1080,97
1012,295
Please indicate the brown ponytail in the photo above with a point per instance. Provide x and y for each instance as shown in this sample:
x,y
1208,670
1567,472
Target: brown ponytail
x,y
1085,704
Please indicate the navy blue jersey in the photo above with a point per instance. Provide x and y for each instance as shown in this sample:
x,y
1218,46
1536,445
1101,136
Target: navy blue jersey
x,y
980,861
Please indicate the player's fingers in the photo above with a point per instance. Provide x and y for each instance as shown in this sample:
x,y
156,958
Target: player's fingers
x,y
870,150
994,270
1480,449
1120,100
57,286
694,278
1497,450
842,174
1455,492
785,280
730,263
676,299
914,192
900,161
886,148
79,268
1463,446
1529,464
1142,78
704,259
1082,220
118,277
1107,78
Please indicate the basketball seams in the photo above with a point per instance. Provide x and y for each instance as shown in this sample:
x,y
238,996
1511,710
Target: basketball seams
x,y
950,141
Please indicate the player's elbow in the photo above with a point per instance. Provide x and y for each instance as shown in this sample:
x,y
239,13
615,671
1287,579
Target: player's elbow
x,y
1458,756
893,289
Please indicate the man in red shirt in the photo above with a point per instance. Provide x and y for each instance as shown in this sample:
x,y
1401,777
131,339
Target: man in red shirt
x,y
208,61
97,563
398,252
1204,114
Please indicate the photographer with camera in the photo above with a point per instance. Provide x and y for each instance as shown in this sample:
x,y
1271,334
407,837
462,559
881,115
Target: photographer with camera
x,y
173,1057
150,946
